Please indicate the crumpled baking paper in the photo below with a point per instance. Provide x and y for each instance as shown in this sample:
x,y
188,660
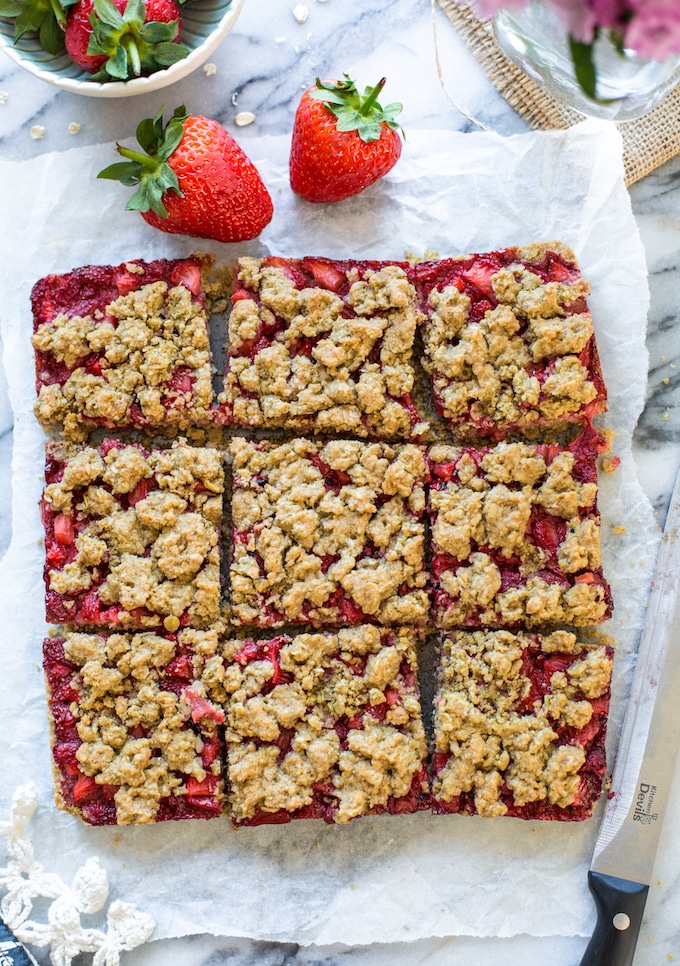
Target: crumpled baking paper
x,y
379,879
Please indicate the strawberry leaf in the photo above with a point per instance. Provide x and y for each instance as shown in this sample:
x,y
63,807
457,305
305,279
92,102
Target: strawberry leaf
x,y
156,33
131,46
357,112
168,54
45,18
150,170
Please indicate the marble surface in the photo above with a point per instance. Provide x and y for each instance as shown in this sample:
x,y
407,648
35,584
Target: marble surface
x,y
263,67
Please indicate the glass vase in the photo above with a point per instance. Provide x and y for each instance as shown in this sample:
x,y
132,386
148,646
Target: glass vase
x,y
628,86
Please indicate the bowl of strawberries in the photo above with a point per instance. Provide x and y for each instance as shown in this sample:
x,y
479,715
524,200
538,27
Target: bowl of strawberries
x,y
114,48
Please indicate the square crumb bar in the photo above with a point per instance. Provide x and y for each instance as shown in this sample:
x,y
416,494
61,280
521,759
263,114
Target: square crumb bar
x,y
520,723
122,346
516,534
132,536
135,735
328,534
508,341
322,346
324,726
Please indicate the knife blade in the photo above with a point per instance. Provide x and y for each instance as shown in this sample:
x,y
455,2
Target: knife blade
x,y
627,842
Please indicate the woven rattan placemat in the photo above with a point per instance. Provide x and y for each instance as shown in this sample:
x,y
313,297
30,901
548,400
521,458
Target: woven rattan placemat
x,y
647,142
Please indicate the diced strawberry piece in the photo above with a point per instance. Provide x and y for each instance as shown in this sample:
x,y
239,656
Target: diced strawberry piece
x,y
140,491
325,274
64,530
548,531
187,274
180,667
90,608
239,295
182,380
93,366
202,708
351,611
58,610
205,787
210,752
588,578
248,652
127,283
85,789
393,697
479,275
56,557
109,444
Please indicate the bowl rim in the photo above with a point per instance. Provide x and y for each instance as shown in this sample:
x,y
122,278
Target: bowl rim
x,y
138,85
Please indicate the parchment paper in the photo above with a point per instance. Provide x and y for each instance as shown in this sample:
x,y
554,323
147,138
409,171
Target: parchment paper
x,y
394,877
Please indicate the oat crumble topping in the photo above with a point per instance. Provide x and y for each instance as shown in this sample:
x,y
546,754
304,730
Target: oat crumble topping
x,y
324,725
132,536
508,341
328,533
304,355
140,359
516,535
519,723
134,733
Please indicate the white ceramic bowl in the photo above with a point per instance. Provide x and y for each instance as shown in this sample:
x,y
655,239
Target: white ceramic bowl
x,y
205,24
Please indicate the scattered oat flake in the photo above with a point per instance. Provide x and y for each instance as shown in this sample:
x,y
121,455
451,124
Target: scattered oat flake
x,y
73,127
210,69
37,131
244,118
3,96
619,529
665,416
301,12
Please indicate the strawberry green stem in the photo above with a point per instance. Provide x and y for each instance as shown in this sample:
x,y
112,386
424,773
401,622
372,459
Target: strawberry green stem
x,y
59,14
372,97
133,55
144,159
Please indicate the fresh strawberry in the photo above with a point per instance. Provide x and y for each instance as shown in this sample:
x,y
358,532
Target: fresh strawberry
x,y
120,39
343,141
194,180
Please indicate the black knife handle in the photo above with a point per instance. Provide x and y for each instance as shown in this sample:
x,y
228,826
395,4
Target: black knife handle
x,y
620,905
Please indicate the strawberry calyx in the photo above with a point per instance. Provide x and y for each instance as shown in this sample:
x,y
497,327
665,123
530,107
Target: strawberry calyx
x,y
357,112
46,18
132,46
150,170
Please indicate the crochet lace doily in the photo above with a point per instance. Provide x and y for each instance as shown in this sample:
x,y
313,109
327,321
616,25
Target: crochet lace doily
x,y
25,880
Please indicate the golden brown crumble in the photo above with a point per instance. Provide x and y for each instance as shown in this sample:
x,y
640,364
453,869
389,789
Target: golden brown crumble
x,y
160,554
378,759
134,734
298,540
336,387
157,332
494,738
485,519
482,371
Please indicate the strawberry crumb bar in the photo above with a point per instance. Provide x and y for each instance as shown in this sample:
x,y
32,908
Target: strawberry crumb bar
x,y
516,534
122,347
322,346
324,726
508,341
520,724
328,534
132,536
134,733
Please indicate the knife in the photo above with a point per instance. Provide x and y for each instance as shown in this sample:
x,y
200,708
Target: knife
x,y
626,845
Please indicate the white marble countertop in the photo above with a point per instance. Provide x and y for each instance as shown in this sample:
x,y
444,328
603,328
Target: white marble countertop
x,y
263,67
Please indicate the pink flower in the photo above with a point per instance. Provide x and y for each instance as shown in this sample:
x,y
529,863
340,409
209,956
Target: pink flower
x,y
578,18
486,9
654,30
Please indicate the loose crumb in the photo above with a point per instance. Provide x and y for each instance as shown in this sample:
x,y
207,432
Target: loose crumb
x,y
73,127
618,529
210,69
610,463
37,131
3,97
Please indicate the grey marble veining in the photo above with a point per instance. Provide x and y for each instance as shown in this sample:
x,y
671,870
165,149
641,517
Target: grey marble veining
x,y
263,67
